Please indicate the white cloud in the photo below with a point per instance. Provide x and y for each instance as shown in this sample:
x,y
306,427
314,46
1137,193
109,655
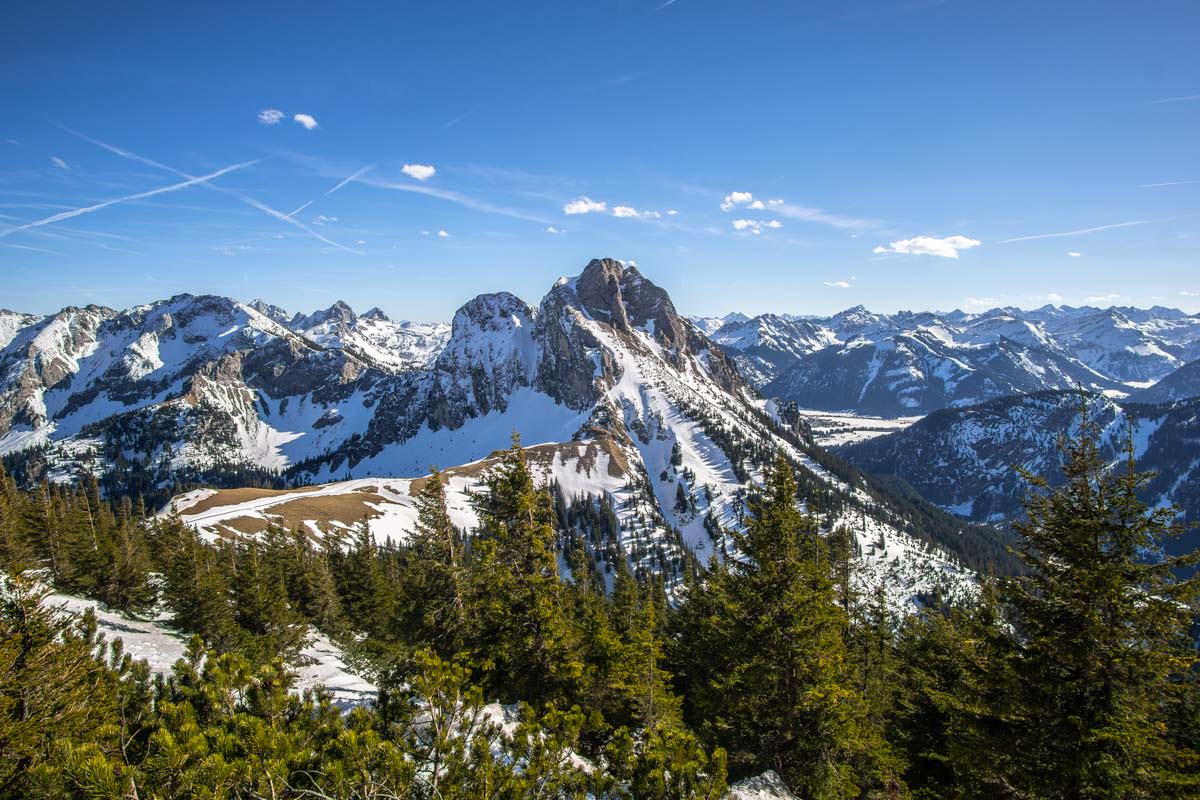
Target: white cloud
x,y
321,219
778,201
1074,254
307,120
757,205
1054,297
754,226
976,303
1186,293
443,235
584,205
930,246
58,162
421,172
1103,298
838,284
626,212
552,229
270,116
736,199
360,241
629,262
671,212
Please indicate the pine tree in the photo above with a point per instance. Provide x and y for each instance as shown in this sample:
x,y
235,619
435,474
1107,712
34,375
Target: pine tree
x,y
127,585
520,628
764,663
1102,626
433,575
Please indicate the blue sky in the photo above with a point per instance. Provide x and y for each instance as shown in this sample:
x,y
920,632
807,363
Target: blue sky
x,y
754,156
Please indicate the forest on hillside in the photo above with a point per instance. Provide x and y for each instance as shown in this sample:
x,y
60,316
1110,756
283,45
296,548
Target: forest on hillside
x,y
1076,678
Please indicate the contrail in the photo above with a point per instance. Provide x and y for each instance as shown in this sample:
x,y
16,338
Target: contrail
x,y
340,184
1080,232
75,212
250,201
34,249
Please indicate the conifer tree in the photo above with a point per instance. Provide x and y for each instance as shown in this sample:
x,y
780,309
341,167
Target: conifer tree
x,y
764,663
519,625
433,576
1101,629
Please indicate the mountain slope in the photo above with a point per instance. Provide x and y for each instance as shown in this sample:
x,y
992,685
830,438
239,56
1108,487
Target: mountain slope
x,y
1181,384
964,459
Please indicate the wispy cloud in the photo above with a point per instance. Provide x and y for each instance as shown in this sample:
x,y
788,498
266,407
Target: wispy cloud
x,y
307,121
270,116
801,213
1103,298
443,234
1074,253
60,163
453,197
585,205
1186,98
947,247
1079,232
980,303
421,172
248,200
1186,293
819,216
552,229
175,187
838,284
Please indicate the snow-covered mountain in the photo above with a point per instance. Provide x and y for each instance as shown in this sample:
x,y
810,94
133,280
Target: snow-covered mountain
x,y
625,401
373,336
916,362
964,459
1179,385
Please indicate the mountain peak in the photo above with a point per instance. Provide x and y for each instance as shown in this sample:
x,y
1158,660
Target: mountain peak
x,y
376,313
339,312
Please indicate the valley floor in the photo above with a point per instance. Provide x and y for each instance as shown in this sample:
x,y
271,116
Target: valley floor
x,y
837,428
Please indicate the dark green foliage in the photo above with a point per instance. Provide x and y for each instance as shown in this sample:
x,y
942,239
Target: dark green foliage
x,y
762,658
1077,680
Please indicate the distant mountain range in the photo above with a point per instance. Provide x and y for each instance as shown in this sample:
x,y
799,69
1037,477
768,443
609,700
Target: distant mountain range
x,y
916,362
626,403
965,459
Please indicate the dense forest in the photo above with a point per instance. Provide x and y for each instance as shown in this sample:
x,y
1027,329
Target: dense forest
x,y
1076,678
